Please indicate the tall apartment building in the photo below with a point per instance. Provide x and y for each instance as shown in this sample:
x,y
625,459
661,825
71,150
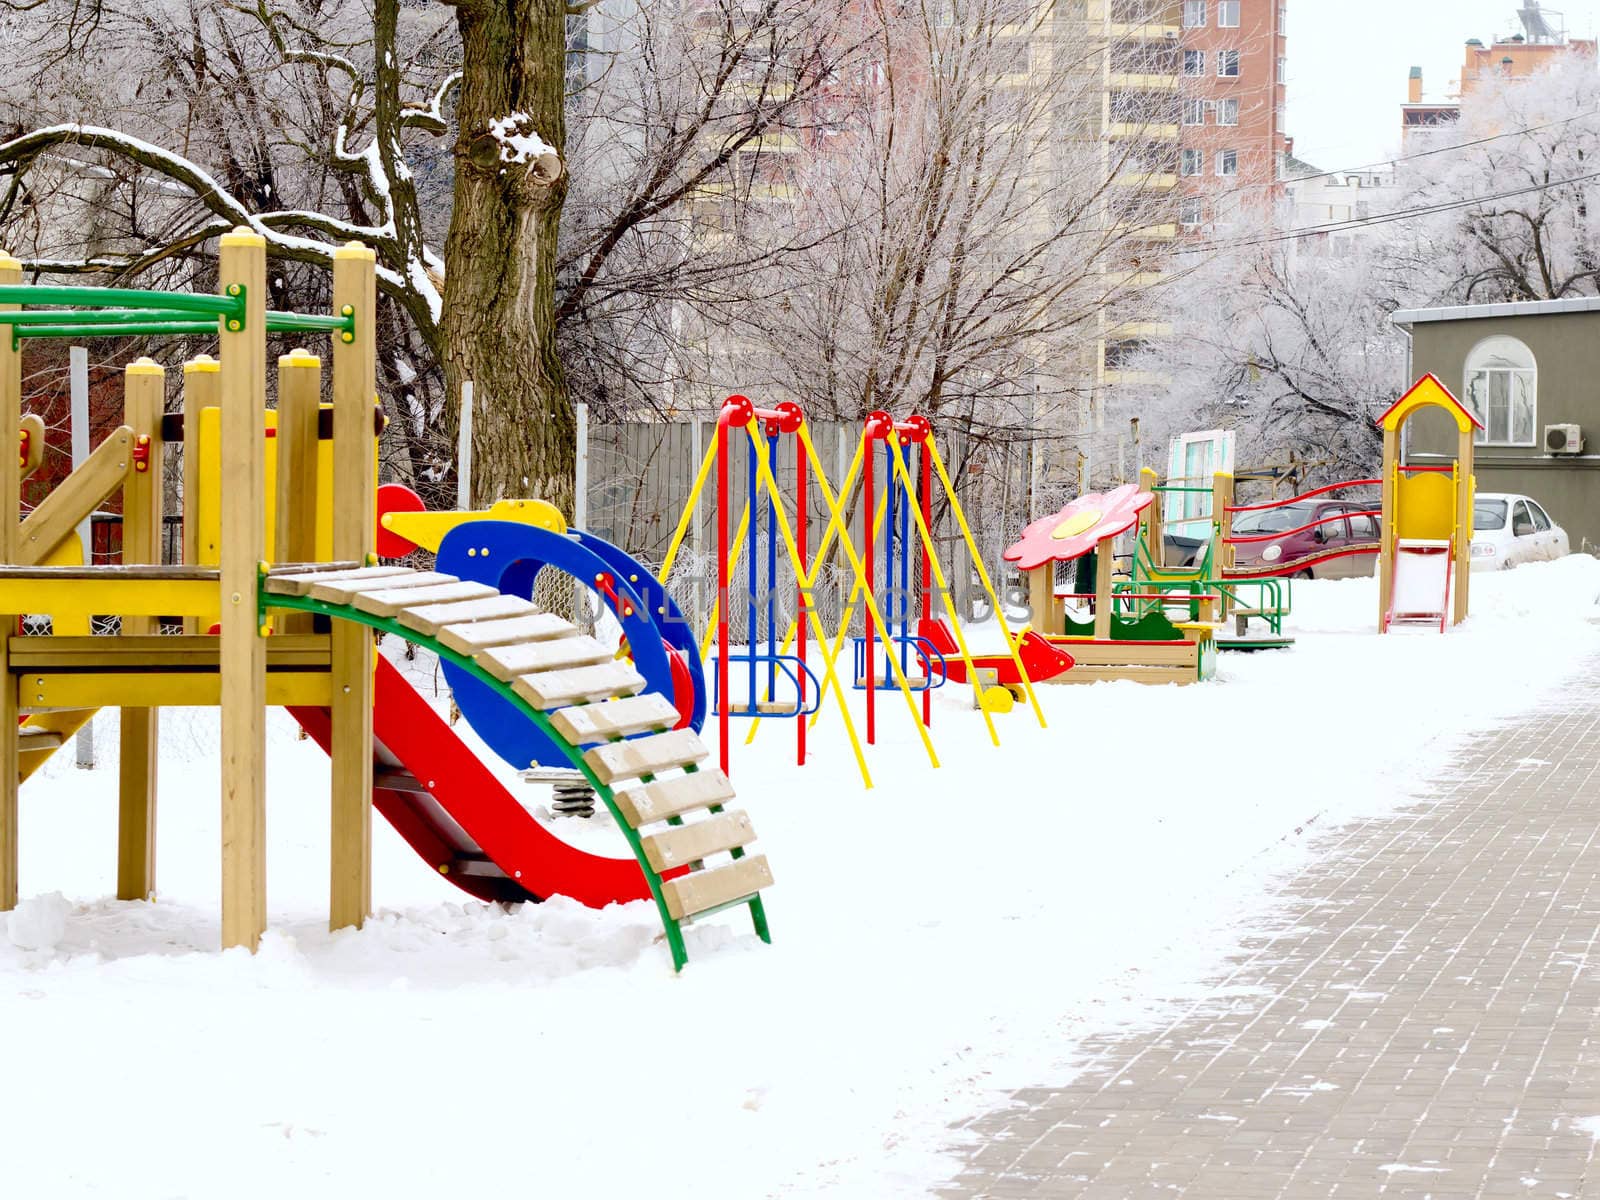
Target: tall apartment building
x,y
1199,84
1542,42
1231,136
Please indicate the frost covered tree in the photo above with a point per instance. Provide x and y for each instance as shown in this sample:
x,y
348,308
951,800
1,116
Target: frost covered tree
x,y
1294,352
1507,207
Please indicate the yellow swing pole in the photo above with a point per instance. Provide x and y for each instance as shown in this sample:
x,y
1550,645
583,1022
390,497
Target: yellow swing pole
x,y
831,677
706,463
872,604
983,576
938,577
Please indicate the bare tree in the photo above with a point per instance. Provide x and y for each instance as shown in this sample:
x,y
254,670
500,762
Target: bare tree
x,y
974,225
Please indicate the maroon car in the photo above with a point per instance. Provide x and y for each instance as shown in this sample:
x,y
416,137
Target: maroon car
x,y
1342,525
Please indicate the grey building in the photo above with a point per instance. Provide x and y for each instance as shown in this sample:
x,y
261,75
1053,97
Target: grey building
x,y
1530,372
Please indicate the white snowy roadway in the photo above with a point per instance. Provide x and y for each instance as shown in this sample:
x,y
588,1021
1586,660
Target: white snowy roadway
x,y
938,942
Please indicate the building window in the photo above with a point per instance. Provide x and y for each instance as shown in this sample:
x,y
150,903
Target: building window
x,y
1227,162
1228,64
1194,14
1194,62
1190,212
1283,69
1227,14
1502,391
1120,355
1228,111
1194,162
1283,19
1194,112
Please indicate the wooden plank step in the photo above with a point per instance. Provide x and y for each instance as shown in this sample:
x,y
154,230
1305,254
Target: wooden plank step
x,y
507,662
646,755
614,718
343,591
673,797
679,845
386,602
37,739
478,635
298,583
701,890
309,568
580,685
429,619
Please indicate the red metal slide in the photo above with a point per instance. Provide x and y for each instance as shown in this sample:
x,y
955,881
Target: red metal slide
x,y
460,818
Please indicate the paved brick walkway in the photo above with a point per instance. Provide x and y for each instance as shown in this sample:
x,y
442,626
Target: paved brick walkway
x,y
1424,1021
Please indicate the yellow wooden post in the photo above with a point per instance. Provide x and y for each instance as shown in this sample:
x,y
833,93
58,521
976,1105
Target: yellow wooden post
x,y
354,383
201,381
1386,531
243,386
295,539
1222,530
143,401
1465,486
1102,589
1148,479
10,518
1042,598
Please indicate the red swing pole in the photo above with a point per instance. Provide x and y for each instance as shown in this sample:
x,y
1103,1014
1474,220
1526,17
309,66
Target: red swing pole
x,y
870,665
732,408
925,486
801,606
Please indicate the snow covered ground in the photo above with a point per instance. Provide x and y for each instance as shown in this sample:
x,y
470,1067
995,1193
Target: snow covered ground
x,y
940,938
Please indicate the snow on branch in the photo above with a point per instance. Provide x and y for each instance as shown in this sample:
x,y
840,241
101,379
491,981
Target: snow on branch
x,y
431,116
227,210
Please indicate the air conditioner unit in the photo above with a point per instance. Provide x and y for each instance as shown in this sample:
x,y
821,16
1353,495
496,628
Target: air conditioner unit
x,y
1563,439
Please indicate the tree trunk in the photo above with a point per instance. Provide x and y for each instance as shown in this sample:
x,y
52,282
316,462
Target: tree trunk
x,y
500,257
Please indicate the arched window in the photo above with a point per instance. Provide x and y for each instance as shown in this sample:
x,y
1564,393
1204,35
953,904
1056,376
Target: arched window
x,y
1502,391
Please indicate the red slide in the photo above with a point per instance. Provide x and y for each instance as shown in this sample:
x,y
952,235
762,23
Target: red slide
x,y
459,817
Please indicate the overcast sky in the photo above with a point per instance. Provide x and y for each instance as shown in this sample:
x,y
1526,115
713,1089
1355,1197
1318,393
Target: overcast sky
x,y
1348,62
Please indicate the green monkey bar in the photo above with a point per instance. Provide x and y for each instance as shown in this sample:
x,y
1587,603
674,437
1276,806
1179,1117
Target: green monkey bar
x,y
123,312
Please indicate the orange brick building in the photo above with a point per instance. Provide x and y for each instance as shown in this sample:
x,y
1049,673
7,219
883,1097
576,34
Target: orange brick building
x,y
1231,137
1541,43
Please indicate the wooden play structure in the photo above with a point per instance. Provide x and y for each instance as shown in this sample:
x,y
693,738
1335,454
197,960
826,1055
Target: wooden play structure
x,y
278,540
1425,565
1129,635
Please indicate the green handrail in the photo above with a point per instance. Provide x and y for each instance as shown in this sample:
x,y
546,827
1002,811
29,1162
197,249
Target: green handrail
x,y
57,324
758,915
104,297
131,329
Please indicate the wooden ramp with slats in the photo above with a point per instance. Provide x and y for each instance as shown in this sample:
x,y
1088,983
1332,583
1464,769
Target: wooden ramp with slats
x,y
670,803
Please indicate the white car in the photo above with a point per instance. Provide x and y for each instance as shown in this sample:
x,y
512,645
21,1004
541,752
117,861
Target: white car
x,y
1508,530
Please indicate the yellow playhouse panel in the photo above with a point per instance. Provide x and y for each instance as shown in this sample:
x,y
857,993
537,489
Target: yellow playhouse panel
x,y
1426,505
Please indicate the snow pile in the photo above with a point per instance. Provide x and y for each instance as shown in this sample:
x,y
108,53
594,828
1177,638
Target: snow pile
x,y
38,922
520,143
937,940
